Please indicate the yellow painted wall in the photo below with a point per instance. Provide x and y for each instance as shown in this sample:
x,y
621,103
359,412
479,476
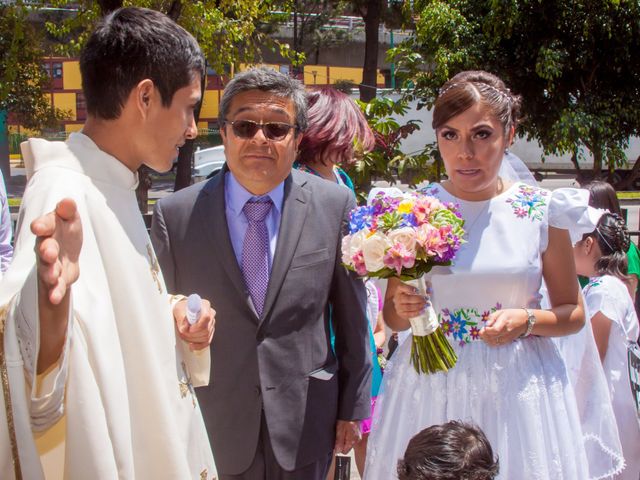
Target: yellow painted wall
x,y
379,78
345,73
210,104
71,75
73,127
67,102
203,125
320,74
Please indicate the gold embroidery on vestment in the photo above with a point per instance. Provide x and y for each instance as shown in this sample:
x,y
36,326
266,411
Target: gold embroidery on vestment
x,y
186,385
154,266
203,474
6,391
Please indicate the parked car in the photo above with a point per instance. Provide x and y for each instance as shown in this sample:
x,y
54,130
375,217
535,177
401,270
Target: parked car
x,y
207,162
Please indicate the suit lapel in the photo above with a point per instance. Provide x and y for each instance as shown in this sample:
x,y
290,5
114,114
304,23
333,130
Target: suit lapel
x,y
294,213
211,211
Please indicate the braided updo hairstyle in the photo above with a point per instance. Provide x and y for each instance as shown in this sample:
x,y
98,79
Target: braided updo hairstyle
x,y
612,237
467,88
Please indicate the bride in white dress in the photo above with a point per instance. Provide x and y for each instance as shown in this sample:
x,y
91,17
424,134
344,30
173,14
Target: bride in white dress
x,y
509,379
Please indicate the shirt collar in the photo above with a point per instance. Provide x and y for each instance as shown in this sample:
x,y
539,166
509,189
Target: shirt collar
x,y
236,195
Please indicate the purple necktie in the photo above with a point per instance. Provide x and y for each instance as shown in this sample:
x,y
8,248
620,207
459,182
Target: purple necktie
x,y
255,251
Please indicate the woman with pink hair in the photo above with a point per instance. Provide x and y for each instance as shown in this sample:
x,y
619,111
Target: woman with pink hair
x,y
337,132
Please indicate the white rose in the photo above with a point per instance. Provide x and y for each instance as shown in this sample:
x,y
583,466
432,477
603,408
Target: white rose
x,y
346,251
373,250
405,236
352,244
357,240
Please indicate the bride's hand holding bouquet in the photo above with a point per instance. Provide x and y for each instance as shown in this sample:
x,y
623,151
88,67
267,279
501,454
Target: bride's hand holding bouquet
x,y
405,236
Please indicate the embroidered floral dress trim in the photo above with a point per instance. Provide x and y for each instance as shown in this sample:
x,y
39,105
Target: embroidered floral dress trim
x,y
431,189
593,282
464,324
528,202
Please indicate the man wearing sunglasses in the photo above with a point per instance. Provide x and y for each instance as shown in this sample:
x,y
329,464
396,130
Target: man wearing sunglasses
x,y
263,243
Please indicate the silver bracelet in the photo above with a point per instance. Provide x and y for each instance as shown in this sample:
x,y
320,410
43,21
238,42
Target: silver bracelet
x,y
531,321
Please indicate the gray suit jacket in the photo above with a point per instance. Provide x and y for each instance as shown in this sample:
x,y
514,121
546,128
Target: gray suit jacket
x,y
281,362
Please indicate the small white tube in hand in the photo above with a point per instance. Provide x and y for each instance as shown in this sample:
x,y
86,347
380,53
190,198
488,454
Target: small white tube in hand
x,y
194,303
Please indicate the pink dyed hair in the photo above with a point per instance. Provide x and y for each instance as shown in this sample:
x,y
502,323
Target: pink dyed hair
x,y
335,120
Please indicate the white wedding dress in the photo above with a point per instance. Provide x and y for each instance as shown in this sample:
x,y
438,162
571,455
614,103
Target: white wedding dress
x,y
518,393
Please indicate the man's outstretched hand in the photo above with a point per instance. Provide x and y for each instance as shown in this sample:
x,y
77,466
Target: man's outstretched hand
x,y
58,243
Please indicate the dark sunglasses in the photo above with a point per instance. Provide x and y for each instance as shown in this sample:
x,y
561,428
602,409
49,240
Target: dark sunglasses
x,y
271,130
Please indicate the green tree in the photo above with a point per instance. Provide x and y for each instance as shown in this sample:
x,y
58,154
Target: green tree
x,y
23,80
575,63
312,29
376,13
387,161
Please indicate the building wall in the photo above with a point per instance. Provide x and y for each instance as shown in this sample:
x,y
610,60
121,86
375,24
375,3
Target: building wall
x,y
66,89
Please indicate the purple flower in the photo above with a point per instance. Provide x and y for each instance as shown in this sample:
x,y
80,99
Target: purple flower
x,y
446,327
474,332
382,203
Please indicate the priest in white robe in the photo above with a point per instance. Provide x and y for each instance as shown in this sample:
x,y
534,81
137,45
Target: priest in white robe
x,y
97,362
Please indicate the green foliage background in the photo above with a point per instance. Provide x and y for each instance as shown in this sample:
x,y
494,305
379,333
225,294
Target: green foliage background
x,y
575,62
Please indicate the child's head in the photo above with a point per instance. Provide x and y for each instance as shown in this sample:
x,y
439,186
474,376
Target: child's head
x,y
603,251
453,451
603,195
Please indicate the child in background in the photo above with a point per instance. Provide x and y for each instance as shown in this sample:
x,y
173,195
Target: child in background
x,y
451,451
603,195
600,255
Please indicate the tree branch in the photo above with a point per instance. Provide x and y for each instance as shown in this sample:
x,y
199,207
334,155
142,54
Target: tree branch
x,y
175,10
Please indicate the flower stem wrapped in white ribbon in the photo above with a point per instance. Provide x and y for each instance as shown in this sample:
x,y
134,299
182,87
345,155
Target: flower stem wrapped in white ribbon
x,y
430,350
405,235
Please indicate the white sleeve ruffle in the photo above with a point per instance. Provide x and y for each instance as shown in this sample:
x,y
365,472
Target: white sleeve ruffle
x,y
569,210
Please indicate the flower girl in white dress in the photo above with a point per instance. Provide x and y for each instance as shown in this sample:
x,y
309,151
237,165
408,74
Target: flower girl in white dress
x,y
600,255
509,379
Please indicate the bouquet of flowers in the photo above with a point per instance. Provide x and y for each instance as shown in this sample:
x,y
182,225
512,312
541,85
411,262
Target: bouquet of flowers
x,y
405,236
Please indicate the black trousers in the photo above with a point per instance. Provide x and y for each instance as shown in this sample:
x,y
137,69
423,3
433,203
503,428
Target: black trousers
x,y
266,467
